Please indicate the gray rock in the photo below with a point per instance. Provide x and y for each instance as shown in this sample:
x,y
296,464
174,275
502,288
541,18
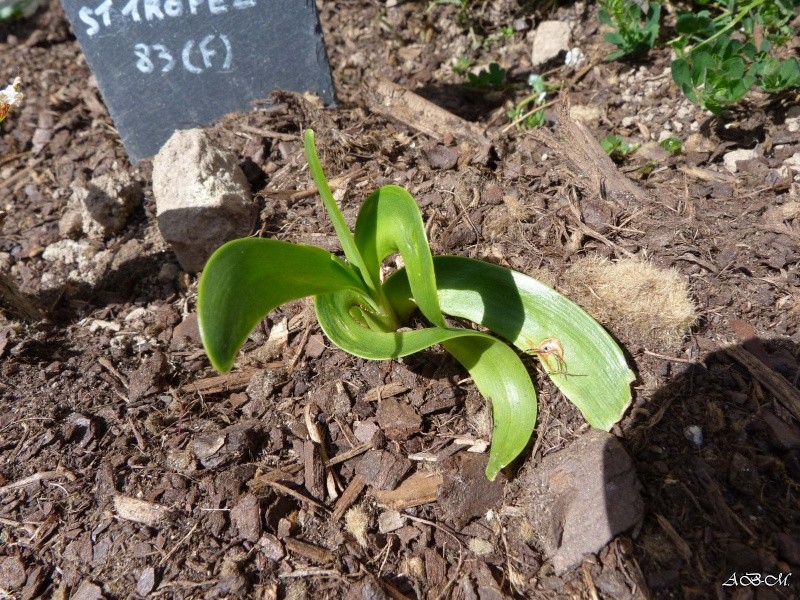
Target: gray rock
x,y
581,497
730,159
552,37
104,206
202,197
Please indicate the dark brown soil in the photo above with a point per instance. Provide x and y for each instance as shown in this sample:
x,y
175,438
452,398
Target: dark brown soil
x,y
112,398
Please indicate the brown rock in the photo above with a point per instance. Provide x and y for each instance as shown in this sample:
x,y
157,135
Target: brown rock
x,y
441,157
223,447
581,497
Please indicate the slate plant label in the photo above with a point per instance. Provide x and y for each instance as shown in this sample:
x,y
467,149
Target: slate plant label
x,y
164,65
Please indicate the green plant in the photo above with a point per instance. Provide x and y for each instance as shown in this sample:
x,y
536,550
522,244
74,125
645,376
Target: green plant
x,y
462,64
617,148
247,278
715,69
491,78
672,145
632,36
521,114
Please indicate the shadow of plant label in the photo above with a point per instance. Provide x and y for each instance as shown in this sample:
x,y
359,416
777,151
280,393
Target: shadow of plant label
x,y
164,65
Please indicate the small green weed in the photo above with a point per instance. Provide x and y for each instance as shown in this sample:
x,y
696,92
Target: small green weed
x,y
617,148
522,115
492,78
715,69
462,64
672,145
725,47
633,36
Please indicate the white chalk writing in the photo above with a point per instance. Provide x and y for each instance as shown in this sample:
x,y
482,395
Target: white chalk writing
x,y
213,52
106,15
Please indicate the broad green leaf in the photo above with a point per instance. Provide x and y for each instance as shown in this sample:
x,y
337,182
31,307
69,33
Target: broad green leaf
x,y
497,371
593,373
389,221
247,278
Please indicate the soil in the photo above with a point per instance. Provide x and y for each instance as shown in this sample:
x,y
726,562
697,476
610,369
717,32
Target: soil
x,y
128,467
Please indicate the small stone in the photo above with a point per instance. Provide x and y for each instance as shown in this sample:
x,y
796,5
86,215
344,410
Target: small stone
x,y
390,520
382,470
147,581
398,419
743,475
71,224
480,547
588,115
365,430
694,434
271,547
552,38
88,591
466,493
735,156
148,379
186,333
202,197
168,273
442,157
223,447
105,204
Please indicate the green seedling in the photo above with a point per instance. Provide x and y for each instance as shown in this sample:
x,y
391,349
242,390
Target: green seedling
x,y
617,148
529,112
462,64
366,316
635,32
672,145
492,78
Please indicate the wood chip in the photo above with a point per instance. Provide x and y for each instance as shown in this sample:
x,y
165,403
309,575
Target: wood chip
x,y
351,492
41,476
348,454
314,470
675,537
784,392
17,303
139,511
385,391
220,383
414,111
418,489
577,147
310,551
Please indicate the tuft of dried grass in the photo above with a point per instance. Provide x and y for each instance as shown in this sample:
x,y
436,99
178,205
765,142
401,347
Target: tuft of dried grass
x,y
357,522
639,302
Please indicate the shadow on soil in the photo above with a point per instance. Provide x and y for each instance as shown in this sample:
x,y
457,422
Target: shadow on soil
x,y
719,459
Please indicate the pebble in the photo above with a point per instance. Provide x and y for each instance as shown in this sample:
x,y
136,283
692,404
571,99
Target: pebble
x,y
694,434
